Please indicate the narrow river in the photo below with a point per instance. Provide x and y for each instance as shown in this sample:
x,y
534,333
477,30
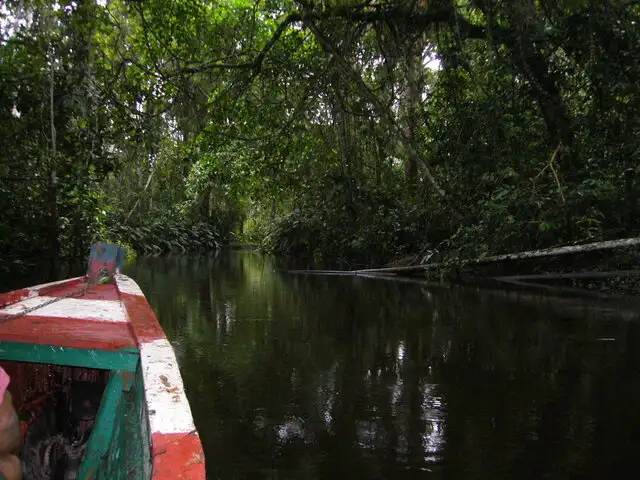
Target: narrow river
x,y
310,377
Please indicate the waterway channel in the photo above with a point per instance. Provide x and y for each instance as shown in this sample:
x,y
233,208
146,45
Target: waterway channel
x,y
314,377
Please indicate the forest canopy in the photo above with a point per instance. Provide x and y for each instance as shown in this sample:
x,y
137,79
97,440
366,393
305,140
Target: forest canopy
x,y
344,133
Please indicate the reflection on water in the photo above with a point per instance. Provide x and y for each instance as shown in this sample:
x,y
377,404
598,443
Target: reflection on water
x,y
296,377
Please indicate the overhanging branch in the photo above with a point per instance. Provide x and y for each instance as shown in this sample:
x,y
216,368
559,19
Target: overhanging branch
x,y
363,13
383,112
254,65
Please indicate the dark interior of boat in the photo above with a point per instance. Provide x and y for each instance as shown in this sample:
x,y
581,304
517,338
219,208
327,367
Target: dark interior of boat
x,y
57,406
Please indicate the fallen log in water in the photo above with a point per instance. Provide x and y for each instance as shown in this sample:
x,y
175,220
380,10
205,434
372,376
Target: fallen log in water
x,y
392,270
545,252
324,272
554,252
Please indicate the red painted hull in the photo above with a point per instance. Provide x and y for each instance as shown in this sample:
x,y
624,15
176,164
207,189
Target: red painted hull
x,y
110,318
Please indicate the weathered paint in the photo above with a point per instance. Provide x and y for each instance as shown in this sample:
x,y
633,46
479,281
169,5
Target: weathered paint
x,y
102,431
95,292
84,309
44,289
67,332
144,323
90,321
129,454
176,448
177,456
14,296
169,410
128,286
48,288
104,259
125,359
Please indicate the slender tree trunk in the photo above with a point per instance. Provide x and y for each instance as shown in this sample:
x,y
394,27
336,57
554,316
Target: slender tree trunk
x,y
53,184
344,141
211,204
411,101
381,157
532,63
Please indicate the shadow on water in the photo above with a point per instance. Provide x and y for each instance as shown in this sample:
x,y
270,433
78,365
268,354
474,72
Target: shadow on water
x,y
303,377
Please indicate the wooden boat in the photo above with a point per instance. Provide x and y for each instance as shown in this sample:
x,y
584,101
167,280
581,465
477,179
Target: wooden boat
x,y
80,335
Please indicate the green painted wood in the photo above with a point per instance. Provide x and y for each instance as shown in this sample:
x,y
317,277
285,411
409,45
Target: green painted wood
x,y
138,435
129,454
113,464
125,359
106,420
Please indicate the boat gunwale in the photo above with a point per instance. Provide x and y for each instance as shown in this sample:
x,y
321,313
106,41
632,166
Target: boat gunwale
x,y
175,446
14,296
176,449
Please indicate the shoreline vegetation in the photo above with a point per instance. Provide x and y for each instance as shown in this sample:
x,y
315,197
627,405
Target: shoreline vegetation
x,y
342,135
601,269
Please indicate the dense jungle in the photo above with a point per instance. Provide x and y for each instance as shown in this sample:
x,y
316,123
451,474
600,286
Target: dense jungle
x,y
346,134
339,133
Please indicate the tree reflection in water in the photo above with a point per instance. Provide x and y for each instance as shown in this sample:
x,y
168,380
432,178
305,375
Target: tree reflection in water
x,y
331,377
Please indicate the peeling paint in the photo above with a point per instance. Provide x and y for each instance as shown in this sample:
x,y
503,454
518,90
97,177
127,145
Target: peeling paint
x,y
96,310
37,289
164,389
119,318
126,285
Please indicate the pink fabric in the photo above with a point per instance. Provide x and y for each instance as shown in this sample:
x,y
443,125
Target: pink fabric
x,y
4,383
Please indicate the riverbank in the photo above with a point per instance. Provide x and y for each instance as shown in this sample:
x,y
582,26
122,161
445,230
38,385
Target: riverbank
x,y
601,273
600,269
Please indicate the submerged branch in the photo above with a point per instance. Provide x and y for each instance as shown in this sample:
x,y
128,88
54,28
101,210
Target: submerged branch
x,y
545,252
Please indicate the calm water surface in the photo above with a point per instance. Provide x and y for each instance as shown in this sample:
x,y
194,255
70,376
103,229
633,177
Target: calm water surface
x,y
310,377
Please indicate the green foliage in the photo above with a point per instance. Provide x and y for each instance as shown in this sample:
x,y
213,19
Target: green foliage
x,y
341,221
54,129
321,132
169,233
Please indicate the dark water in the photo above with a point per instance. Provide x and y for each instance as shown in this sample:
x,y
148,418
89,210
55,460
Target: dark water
x,y
305,377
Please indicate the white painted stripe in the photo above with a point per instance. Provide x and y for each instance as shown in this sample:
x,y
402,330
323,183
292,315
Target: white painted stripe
x,y
169,410
97,310
127,285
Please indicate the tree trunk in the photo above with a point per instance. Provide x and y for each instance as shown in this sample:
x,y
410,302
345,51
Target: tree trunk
x,y
53,186
548,96
530,61
534,65
386,116
380,160
411,101
345,146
